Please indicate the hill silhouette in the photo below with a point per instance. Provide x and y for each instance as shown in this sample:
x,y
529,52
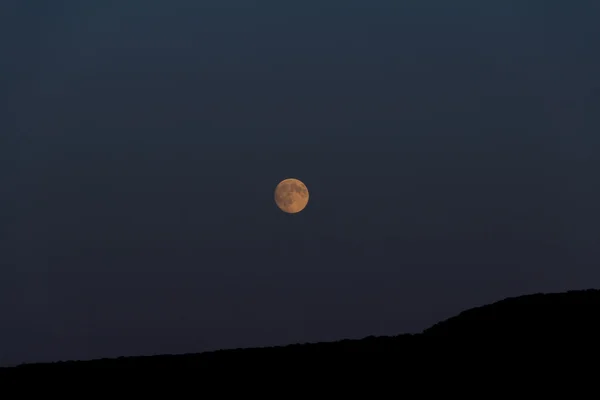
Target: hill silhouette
x,y
551,316
548,315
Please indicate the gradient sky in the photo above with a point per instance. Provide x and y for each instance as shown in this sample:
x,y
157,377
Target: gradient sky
x,y
450,149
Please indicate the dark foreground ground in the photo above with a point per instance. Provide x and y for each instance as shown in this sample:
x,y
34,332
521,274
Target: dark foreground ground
x,y
553,320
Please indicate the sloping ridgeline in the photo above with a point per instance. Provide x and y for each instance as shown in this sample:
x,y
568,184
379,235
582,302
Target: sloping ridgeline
x,y
573,313
547,318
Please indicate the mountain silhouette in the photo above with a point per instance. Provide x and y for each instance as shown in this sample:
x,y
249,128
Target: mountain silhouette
x,y
553,317
549,315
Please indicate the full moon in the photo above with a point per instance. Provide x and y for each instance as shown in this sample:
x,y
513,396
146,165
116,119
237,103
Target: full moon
x,y
291,196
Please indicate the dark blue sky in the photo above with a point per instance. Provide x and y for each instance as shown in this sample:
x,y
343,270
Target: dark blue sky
x,y
450,149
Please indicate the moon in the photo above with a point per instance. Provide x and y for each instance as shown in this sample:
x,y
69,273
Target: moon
x,y
291,196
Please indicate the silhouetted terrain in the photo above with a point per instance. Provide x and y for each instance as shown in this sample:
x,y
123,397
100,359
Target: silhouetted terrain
x,y
549,317
546,315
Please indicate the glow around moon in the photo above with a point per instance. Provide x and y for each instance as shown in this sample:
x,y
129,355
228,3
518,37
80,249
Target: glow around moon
x,y
291,196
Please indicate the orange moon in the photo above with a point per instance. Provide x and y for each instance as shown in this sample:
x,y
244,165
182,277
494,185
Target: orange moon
x,y
291,196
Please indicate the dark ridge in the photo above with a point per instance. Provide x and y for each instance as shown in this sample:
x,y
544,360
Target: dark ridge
x,y
553,314
543,316
381,345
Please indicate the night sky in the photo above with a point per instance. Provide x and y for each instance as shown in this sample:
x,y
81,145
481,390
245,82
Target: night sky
x,y
450,149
